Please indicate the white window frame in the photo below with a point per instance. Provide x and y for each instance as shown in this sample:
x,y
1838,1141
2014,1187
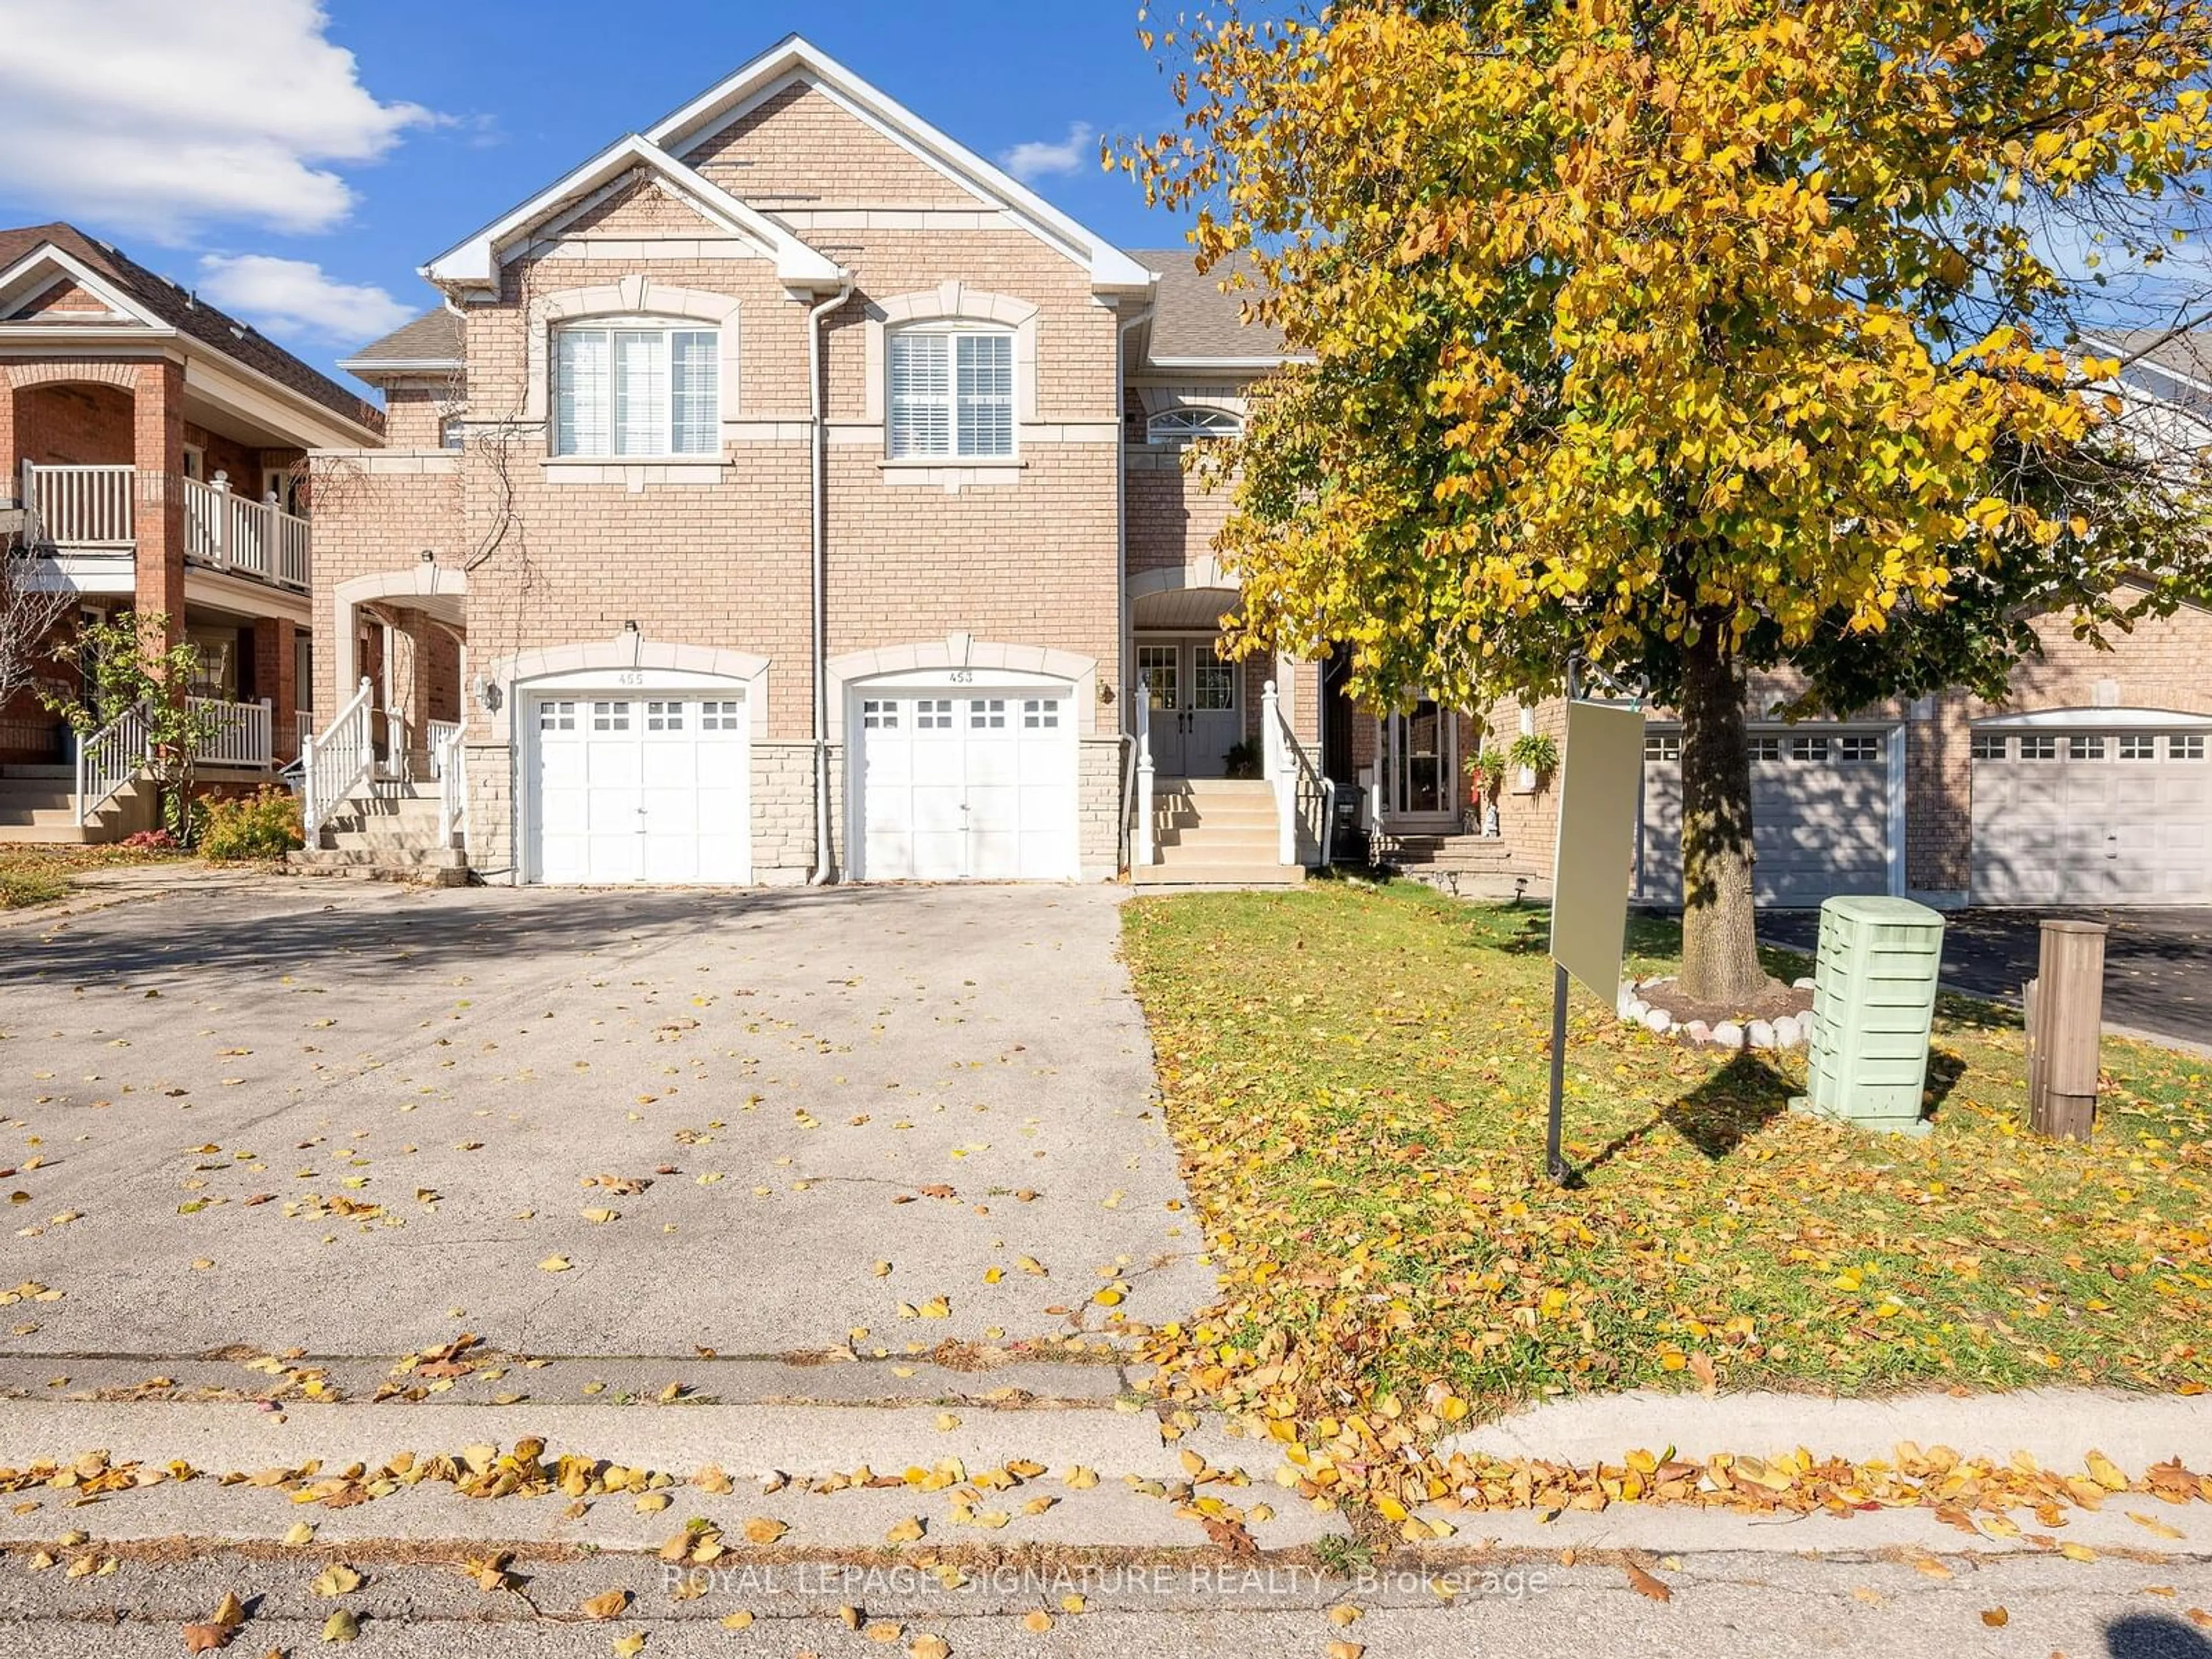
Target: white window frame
x,y
952,331
667,328
1193,423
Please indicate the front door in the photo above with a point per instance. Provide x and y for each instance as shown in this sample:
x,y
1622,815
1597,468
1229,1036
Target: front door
x,y
1420,770
1198,714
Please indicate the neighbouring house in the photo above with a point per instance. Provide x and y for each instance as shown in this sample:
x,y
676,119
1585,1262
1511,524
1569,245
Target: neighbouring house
x,y
786,493
154,452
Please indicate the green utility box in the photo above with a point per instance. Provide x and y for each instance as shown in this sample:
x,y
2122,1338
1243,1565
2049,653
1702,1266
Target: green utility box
x,y
1874,1003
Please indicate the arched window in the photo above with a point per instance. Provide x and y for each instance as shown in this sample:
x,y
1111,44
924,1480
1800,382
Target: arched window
x,y
1183,426
951,392
636,386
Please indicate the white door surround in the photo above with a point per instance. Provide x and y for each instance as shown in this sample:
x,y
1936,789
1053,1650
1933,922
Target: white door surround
x,y
1420,770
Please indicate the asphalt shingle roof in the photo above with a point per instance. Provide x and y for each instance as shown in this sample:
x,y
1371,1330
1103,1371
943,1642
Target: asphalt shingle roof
x,y
433,337
189,315
1191,315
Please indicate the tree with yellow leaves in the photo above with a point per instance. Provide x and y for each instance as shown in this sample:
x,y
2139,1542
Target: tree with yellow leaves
x,y
1684,341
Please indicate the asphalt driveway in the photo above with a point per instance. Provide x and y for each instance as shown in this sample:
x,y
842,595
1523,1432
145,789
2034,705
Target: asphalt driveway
x,y
2158,964
356,1121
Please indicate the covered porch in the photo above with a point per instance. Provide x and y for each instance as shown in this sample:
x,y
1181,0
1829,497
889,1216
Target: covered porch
x,y
404,634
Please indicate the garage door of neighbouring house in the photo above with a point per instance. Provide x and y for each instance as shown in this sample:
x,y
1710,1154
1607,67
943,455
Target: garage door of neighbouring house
x,y
646,785
2115,815
1821,799
959,781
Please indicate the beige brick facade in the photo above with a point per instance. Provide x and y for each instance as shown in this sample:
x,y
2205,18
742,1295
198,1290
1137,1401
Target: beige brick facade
x,y
716,553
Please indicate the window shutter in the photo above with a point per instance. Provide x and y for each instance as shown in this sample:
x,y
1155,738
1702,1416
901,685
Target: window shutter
x,y
695,419
986,394
580,379
920,394
640,393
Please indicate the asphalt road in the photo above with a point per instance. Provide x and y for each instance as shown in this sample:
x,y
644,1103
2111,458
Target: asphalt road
x,y
2158,964
361,1121
1722,1605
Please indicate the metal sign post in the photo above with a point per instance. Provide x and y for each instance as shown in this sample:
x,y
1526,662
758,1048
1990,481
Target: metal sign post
x,y
1600,777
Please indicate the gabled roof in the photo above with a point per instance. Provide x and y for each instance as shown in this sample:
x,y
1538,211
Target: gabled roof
x,y
1195,323
475,262
152,301
430,345
2172,365
795,58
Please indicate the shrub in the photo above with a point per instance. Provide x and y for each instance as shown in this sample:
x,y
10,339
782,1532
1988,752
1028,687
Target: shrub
x,y
265,826
151,840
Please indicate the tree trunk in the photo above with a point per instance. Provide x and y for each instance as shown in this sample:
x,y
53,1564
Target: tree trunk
x,y
1720,948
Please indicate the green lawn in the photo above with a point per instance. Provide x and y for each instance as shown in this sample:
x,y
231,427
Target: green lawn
x,y
1355,1077
38,875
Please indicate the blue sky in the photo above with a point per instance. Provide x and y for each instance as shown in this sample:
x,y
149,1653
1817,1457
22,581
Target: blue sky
x,y
295,162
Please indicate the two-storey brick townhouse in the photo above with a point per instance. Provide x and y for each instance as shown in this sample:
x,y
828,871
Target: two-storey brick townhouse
x,y
787,492
152,455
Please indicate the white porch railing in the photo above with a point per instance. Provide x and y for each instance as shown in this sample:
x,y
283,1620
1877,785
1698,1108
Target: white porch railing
x,y
108,759
1305,800
333,766
450,759
1141,848
439,733
242,733
303,727
248,538
78,506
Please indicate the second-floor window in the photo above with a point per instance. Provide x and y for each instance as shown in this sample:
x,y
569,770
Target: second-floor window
x,y
636,389
952,394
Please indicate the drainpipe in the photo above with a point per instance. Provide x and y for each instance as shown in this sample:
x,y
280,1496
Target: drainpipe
x,y
818,468
1124,851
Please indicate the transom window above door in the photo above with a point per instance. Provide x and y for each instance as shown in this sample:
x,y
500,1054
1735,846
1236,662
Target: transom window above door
x,y
1190,425
643,389
952,394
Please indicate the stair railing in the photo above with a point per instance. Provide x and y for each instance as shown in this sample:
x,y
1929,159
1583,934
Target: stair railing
x,y
335,764
110,758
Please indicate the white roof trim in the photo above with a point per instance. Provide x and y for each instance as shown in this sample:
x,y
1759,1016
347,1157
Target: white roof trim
x,y
795,58
475,262
2096,719
64,263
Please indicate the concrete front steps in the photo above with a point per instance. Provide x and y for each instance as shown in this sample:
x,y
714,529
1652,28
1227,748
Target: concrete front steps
x,y
1215,832
391,834
38,805
1467,866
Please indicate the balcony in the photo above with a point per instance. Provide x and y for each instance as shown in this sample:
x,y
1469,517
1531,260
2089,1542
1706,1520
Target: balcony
x,y
89,513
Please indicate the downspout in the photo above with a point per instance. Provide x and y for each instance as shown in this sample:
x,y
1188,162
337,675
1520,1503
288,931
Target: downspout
x,y
1122,645
817,468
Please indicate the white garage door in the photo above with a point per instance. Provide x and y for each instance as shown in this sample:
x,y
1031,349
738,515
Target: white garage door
x,y
2113,817
1819,814
959,783
640,787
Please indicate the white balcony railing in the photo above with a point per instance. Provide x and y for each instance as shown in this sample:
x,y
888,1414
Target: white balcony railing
x,y
247,537
239,733
75,508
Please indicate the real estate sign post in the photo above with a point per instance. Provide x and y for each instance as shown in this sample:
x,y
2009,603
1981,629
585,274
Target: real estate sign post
x,y
1600,777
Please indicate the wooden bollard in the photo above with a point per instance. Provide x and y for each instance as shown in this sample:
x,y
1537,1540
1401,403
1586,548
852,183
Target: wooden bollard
x,y
2065,1018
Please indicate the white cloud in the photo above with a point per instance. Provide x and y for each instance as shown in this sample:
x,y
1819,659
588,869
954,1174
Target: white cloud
x,y
157,116
1039,158
293,299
